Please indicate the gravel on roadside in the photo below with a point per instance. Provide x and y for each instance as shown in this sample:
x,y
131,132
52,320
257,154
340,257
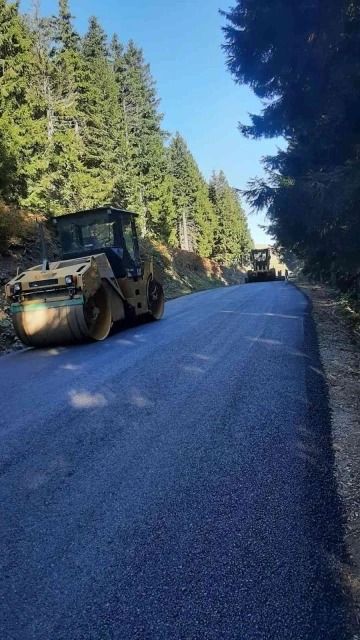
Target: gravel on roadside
x,y
340,354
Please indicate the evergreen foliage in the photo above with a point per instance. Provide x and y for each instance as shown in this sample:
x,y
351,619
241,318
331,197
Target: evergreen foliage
x,y
190,195
303,60
80,126
15,121
232,238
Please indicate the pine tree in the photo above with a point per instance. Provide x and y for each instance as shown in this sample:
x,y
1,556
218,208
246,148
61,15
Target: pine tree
x,y
54,165
232,239
146,171
127,186
14,115
41,100
67,148
305,63
80,126
246,241
95,41
190,195
66,36
100,119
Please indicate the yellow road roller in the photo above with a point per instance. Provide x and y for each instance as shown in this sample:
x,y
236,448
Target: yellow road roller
x,y
100,281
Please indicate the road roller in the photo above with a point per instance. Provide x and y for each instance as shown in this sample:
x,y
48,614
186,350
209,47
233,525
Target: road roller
x,y
99,281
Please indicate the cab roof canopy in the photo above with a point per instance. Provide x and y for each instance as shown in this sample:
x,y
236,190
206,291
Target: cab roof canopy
x,y
105,209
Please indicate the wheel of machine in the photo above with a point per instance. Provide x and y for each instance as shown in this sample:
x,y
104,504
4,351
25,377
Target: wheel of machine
x,y
97,315
51,326
66,324
155,299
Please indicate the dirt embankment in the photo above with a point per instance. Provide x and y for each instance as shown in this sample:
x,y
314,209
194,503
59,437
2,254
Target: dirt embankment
x,y
184,273
339,343
22,256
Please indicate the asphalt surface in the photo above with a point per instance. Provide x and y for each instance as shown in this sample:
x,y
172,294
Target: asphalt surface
x,y
173,482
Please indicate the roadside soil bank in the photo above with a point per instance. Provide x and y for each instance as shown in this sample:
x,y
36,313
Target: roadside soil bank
x,y
339,343
183,273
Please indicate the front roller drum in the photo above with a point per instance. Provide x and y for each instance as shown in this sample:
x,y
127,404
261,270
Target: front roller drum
x,y
44,324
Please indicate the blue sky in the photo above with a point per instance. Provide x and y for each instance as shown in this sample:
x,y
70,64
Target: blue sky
x,y
181,40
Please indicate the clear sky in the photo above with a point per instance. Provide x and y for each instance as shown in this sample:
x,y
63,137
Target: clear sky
x,y
181,40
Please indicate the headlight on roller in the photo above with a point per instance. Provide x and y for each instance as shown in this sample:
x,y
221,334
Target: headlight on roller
x,y
17,287
69,280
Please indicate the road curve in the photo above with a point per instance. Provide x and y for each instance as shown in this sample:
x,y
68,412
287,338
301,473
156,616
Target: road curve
x,y
173,482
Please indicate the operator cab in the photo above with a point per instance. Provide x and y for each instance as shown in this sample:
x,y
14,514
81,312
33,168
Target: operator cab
x,y
104,230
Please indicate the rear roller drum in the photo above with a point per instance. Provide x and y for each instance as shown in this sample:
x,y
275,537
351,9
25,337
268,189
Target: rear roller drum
x,y
97,315
155,299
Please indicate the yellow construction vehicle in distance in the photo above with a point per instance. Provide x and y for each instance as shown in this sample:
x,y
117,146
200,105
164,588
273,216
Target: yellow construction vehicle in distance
x,y
100,281
261,271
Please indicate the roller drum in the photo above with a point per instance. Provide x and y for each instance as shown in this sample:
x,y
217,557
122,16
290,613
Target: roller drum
x,y
63,324
51,326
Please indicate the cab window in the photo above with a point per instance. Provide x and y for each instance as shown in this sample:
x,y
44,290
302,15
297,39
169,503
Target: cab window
x,y
128,236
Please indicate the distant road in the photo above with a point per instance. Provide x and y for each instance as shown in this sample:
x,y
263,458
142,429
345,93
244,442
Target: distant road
x,y
173,482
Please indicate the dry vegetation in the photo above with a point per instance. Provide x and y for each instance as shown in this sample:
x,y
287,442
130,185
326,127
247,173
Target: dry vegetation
x,y
19,247
186,272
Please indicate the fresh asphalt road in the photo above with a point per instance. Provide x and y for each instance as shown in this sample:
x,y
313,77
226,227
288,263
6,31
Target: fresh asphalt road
x,y
173,482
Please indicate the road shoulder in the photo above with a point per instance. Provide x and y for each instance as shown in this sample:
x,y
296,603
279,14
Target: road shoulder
x,y
340,355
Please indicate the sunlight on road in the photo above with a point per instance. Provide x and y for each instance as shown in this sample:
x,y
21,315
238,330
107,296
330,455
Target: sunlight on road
x,y
84,400
265,341
72,367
